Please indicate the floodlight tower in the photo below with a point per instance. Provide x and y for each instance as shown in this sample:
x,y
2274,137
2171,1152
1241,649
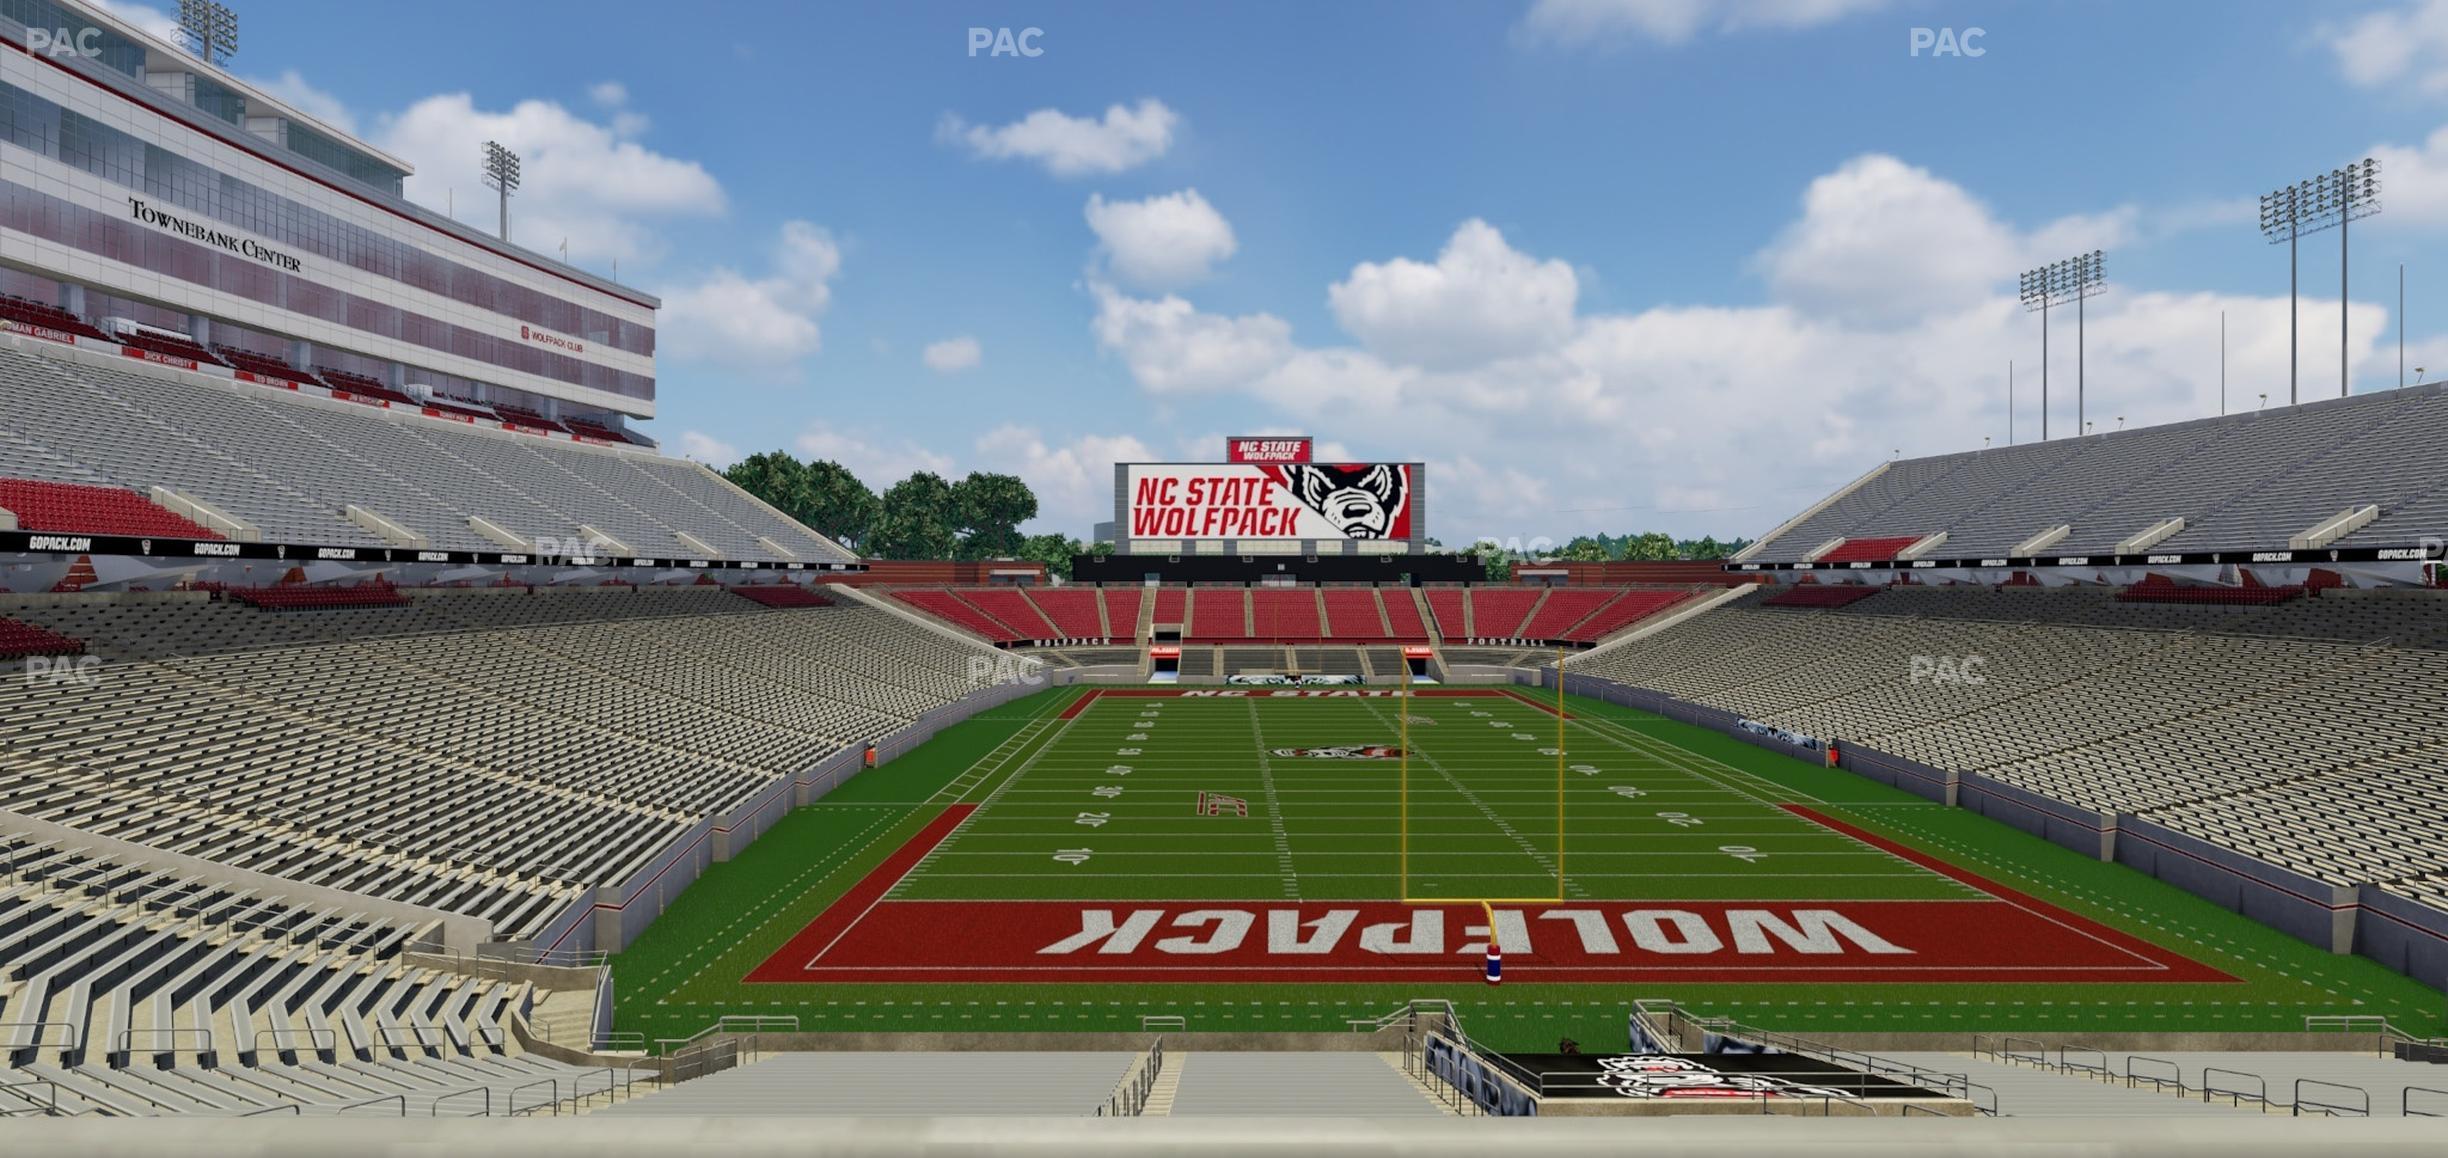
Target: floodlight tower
x,y
2308,206
2075,279
213,28
501,172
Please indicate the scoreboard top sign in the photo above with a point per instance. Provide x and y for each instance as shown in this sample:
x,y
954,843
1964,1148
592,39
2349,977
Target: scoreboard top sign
x,y
1273,449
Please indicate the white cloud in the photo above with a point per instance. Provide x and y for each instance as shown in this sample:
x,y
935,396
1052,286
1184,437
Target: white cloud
x,y
705,448
877,462
290,88
951,355
2395,46
1678,21
585,181
1172,347
610,94
1482,299
1071,146
1073,481
1657,418
762,323
1882,242
153,21
1161,241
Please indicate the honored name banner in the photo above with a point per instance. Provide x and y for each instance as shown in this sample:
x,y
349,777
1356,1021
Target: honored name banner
x,y
214,550
2309,556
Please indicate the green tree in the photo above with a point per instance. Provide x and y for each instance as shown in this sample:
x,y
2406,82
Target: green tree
x,y
1055,551
838,504
1652,547
987,510
775,477
1493,556
1584,549
917,519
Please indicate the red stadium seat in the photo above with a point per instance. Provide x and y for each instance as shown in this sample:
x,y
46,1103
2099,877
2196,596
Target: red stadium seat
x,y
1877,550
92,510
22,640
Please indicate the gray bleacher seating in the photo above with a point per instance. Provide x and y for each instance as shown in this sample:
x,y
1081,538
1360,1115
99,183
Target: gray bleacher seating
x,y
2305,733
2241,481
290,466
489,752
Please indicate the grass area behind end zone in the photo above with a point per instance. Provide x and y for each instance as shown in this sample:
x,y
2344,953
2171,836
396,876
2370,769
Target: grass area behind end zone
x,y
778,883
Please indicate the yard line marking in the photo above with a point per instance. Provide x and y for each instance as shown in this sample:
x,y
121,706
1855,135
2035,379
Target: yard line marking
x,y
1266,780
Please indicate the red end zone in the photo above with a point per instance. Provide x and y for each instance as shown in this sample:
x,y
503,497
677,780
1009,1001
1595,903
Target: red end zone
x,y
2005,936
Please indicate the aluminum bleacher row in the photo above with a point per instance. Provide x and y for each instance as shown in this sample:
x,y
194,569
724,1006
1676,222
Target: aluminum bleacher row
x,y
128,989
2306,732
1292,615
492,753
2242,481
290,467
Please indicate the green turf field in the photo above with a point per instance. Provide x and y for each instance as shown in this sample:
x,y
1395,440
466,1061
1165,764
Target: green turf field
x,y
1652,810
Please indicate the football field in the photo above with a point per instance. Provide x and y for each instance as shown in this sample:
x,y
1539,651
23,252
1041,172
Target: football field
x,y
1286,835
1264,859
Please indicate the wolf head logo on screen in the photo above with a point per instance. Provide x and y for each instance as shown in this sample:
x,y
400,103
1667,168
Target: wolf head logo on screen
x,y
1361,501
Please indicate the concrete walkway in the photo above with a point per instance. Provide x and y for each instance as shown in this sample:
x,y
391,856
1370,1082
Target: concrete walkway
x,y
1336,1085
891,1084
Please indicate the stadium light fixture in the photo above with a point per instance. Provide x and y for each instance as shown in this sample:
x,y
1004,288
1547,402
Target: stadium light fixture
x,y
213,28
2075,279
501,173
2336,197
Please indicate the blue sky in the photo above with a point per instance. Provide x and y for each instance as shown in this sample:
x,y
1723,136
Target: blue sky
x,y
1606,265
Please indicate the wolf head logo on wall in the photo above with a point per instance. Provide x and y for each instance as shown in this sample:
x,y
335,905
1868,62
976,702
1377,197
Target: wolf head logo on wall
x,y
1360,501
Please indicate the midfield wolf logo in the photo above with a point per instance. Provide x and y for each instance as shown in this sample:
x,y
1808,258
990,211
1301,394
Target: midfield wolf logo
x,y
1345,752
1361,501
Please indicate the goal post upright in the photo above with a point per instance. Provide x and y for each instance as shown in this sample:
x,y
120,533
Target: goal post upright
x,y
1559,746
1402,709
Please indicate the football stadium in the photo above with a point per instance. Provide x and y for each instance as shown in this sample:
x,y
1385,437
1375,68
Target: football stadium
x,y
396,728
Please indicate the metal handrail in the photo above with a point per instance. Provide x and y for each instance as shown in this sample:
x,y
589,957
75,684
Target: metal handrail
x,y
731,1022
2332,1109
2405,1103
50,1109
383,1035
2066,1062
1178,1023
2038,1056
402,1099
127,1037
76,1032
435,1110
314,1038
555,1103
291,1108
2235,1097
2157,1083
